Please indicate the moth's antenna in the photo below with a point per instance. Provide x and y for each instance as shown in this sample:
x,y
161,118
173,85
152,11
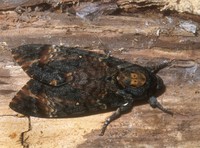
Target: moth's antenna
x,y
157,68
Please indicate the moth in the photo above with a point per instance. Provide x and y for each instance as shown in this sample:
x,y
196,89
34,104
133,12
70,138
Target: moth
x,y
69,82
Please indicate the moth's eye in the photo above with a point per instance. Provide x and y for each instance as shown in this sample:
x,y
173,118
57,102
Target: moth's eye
x,y
137,79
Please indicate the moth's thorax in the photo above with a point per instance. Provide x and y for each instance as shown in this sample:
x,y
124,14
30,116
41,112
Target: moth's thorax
x,y
134,79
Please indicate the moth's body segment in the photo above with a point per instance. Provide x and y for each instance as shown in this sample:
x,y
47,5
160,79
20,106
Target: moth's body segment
x,y
73,82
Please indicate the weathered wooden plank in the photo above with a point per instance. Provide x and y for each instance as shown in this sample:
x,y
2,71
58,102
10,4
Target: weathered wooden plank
x,y
140,39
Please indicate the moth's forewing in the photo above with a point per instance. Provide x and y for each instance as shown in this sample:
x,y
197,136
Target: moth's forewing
x,y
45,101
46,63
40,100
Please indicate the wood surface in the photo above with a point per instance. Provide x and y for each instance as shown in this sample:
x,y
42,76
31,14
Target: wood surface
x,y
144,39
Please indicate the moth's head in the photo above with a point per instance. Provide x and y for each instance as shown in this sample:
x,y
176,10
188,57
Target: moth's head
x,y
132,79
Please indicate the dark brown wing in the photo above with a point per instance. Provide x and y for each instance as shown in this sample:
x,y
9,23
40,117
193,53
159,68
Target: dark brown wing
x,y
40,100
50,64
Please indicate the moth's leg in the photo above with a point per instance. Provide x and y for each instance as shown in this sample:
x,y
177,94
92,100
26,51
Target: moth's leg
x,y
156,68
22,136
155,104
122,109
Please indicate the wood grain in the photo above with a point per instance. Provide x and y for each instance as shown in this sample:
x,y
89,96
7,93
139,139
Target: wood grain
x,y
139,39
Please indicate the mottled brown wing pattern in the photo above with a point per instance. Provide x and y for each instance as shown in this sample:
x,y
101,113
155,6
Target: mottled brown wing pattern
x,y
40,100
45,101
31,100
52,65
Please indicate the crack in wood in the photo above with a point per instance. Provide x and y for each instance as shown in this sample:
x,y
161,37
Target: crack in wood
x,y
23,139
